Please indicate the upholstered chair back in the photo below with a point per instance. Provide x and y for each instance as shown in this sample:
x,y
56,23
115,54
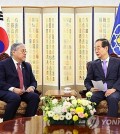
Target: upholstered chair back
x,y
4,56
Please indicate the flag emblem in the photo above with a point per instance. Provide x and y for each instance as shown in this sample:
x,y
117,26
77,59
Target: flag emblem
x,y
115,42
115,38
4,41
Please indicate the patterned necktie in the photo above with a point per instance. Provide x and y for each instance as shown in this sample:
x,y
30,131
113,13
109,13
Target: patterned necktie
x,y
105,72
20,75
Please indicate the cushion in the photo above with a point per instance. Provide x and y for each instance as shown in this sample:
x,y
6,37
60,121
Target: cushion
x,y
102,107
20,111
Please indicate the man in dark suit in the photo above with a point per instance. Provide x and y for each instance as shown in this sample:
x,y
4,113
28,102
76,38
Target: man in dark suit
x,y
17,86
111,79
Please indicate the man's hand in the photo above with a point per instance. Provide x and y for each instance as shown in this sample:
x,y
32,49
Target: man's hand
x,y
109,92
93,89
29,89
18,91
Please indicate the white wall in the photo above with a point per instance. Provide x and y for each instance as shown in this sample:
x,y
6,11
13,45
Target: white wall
x,y
59,2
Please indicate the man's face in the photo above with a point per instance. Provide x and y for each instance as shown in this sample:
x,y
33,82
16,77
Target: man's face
x,y
100,51
20,53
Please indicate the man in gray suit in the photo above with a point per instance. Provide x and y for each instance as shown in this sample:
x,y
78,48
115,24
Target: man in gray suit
x,y
110,78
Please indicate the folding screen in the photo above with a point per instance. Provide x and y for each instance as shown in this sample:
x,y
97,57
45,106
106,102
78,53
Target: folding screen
x,y
59,40
33,40
13,18
83,18
103,23
67,64
50,48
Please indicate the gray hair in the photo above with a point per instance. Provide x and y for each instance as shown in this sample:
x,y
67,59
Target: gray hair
x,y
14,47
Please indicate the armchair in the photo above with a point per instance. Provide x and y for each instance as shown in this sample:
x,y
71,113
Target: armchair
x,y
23,105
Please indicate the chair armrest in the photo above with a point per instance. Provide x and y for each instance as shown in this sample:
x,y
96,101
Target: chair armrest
x,y
38,92
83,92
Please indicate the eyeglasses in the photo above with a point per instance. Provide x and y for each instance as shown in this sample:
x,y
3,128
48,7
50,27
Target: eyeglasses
x,y
22,51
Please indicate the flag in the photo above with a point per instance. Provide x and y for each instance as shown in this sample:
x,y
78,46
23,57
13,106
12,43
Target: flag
x,y
4,41
115,38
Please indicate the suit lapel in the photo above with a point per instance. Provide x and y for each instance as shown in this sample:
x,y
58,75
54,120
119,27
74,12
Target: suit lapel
x,y
99,66
111,62
12,66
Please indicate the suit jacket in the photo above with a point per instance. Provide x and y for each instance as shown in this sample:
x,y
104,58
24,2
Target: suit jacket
x,y
95,72
9,76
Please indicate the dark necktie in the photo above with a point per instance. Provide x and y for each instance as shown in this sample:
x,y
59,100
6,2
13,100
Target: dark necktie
x,y
105,72
20,75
